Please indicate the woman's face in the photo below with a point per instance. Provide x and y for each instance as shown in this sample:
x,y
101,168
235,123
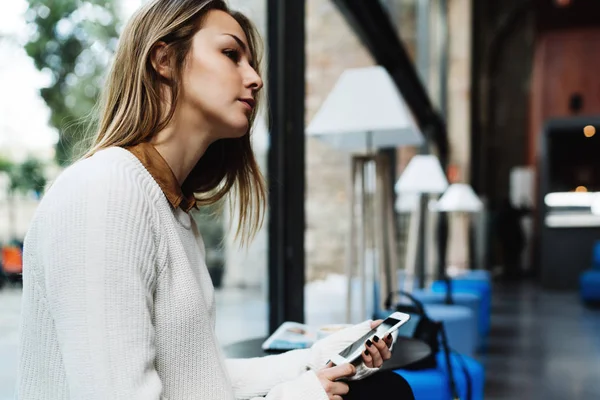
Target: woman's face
x,y
219,84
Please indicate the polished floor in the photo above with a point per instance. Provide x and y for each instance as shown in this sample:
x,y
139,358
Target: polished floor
x,y
542,345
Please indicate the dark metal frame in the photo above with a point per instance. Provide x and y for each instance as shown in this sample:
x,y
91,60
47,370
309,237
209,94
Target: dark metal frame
x,y
286,175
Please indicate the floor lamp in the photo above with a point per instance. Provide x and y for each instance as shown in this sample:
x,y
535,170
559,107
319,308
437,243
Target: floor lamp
x,y
372,238
459,199
422,177
363,114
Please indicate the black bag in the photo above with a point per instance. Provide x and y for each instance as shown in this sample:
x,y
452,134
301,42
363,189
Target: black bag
x,y
379,386
421,327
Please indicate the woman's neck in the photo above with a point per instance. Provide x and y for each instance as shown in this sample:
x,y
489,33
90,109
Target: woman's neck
x,y
181,147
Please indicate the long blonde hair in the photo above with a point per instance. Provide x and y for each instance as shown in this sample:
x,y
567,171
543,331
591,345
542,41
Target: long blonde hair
x,y
131,113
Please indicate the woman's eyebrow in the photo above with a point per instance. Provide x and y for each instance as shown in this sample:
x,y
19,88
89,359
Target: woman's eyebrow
x,y
240,42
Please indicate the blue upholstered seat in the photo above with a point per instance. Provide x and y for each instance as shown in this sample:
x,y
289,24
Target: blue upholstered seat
x,y
470,300
433,384
480,287
589,285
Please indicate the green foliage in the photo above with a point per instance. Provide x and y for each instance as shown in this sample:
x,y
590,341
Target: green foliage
x,y
6,165
210,225
29,176
25,177
73,41
10,169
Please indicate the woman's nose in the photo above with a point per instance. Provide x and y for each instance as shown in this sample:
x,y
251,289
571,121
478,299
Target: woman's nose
x,y
253,80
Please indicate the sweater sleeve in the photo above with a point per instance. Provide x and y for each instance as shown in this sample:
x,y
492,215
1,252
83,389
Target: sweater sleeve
x,y
99,259
278,377
285,376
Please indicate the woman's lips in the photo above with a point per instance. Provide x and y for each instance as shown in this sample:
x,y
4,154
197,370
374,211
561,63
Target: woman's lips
x,y
249,103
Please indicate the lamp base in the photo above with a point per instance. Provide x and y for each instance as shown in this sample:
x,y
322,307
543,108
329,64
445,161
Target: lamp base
x,y
372,237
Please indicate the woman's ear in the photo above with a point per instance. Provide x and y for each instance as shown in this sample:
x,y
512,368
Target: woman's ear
x,y
161,62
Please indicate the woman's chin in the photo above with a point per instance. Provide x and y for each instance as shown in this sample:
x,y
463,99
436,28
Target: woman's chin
x,y
231,128
237,130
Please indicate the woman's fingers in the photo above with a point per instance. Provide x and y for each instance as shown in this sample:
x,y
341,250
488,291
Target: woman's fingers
x,y
367,358
340,371
389,340
328,378
340,388
374,352
376,323
384,350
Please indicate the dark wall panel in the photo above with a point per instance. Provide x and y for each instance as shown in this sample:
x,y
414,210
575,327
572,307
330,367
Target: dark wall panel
x,y
566,79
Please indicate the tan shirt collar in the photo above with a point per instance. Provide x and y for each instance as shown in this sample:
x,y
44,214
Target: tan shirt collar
x,y
163,175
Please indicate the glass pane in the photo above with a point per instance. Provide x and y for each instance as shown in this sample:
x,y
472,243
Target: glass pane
x,y
332,47
242,299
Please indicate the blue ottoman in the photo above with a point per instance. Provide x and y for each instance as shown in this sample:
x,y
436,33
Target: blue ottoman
x,y
460,324
589,286
596,255
476,274
481,288
469,300
433,384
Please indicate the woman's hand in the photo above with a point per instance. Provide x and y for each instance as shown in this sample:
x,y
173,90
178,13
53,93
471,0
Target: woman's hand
x,y
328,377
324,349
378,350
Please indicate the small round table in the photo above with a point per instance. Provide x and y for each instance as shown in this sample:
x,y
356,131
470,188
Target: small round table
x,y
406,351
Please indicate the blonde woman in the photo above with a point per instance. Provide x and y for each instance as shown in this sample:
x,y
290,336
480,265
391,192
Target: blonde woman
x,y
117,300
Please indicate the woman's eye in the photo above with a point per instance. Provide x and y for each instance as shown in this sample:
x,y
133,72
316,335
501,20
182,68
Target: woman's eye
x,y
234,55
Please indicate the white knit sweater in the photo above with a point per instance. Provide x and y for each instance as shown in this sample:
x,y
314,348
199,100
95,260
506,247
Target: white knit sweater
x,y
118,303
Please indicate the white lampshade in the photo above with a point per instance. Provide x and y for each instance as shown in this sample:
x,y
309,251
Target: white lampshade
x,y
459,197
423,174
365,111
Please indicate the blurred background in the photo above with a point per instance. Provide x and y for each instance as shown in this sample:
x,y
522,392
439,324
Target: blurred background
x,y
504,95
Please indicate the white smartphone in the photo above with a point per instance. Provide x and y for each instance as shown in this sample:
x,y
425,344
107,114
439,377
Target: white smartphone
x,y
354,351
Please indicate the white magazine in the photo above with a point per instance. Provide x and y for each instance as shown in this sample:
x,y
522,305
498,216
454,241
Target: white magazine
x,y
290,336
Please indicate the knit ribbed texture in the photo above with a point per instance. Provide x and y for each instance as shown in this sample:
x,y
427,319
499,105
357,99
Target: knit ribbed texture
x,y
118,303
